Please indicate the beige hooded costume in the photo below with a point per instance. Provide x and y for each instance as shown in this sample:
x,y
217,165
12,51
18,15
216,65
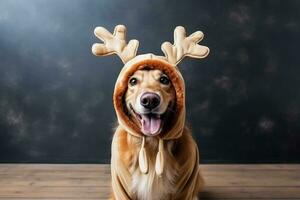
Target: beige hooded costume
x,y
173,157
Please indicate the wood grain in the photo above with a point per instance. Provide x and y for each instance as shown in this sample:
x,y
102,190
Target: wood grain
x,y
92,181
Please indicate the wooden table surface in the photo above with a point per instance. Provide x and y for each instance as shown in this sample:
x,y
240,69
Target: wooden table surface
x,y
92,181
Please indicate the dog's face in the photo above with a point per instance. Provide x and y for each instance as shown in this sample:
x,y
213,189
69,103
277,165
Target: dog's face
x,y
150,99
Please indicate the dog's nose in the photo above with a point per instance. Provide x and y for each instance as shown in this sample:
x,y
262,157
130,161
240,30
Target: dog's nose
x,y
150,100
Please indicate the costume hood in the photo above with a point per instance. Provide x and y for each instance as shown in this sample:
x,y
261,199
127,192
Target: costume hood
x,y
153,62
183,46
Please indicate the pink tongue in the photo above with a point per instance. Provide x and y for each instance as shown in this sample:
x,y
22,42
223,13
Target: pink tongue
x,y
150,124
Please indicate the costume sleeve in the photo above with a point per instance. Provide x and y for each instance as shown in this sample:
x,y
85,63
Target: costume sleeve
x,y
190,180
121,178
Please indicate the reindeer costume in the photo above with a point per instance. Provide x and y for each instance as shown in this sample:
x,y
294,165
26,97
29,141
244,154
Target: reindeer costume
x,y
137,171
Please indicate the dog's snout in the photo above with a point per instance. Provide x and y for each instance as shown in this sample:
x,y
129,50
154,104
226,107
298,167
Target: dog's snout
x,y
150,100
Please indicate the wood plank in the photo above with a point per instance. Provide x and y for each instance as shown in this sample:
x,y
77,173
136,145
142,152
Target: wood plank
x,y
106,167
98,192
263,179
84,181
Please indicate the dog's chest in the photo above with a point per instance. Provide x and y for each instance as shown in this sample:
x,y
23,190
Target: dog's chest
x,y
149,186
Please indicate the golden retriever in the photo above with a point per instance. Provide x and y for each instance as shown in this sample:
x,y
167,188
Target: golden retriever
x,y
154,156
150,103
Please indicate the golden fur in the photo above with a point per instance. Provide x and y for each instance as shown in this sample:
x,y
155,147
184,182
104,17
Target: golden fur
x,y
148,81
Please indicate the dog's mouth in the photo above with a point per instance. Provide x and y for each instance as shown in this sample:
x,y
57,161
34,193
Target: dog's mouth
x,y
151,123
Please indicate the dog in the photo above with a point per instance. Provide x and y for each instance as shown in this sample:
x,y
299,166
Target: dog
x,y
150,99
154,156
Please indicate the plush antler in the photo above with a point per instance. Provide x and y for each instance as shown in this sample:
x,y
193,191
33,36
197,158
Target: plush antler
x,y
184,46
115,43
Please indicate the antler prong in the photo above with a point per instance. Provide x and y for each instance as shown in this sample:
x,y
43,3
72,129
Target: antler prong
x,y
184,46
115,43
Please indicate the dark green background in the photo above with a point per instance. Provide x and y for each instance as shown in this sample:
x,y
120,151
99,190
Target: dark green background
x,y
243,101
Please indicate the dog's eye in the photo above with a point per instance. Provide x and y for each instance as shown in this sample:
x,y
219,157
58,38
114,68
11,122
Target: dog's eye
x,y
133,81
164,80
